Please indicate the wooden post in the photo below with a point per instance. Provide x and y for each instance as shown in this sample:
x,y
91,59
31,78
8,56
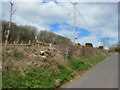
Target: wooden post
x,y
29,42
66,52
14,42
21,42
50,45
36,39
9,27
6,37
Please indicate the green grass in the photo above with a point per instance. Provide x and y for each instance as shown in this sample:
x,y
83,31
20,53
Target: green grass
x,y
77,64
37,78
45,77
96,59
84,64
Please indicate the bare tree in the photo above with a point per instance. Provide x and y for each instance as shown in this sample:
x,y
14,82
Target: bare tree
x,y
7,32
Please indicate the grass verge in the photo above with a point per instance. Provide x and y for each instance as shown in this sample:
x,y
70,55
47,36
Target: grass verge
x,y
46,77
38,78
84,64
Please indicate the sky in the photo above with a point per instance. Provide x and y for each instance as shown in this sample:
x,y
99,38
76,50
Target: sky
x,y
101,19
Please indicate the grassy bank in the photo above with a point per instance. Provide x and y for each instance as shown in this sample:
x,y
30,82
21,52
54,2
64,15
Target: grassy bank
x,y
84,64
38,78
46,77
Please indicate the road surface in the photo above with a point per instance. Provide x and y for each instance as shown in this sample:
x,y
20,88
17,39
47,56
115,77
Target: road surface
x,y
103,75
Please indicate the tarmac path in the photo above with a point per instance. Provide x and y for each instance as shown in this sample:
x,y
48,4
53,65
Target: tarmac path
x,y
103,75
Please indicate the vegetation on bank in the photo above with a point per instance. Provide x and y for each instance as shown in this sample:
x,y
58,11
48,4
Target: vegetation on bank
x,y
85,64
115,49
38,78
46,77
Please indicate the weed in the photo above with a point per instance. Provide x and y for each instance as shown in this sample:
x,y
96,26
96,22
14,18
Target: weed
x,y
17,55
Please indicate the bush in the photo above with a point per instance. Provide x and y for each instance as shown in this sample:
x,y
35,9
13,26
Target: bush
x,y
114,49
100,47
117,49
89,44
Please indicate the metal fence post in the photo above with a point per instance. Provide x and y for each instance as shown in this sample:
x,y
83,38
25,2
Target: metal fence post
x,y
67,52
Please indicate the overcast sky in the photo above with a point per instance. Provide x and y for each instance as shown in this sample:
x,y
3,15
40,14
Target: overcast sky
x,y
102,19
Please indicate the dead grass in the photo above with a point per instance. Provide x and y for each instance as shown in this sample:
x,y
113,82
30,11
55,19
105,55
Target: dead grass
x,y
21,57
82,51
